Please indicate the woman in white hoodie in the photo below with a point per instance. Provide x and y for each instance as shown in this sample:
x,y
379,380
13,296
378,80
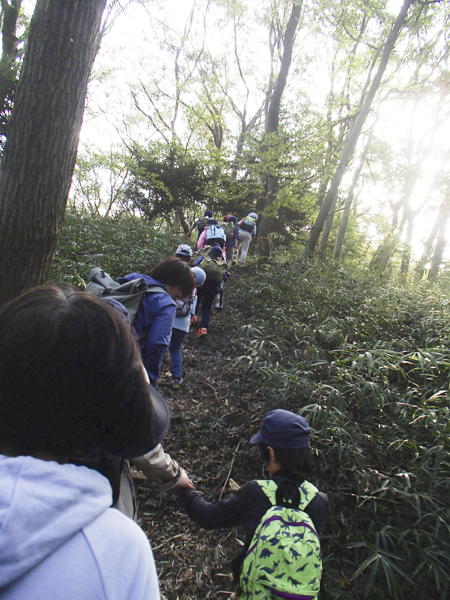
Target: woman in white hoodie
x,y
74,403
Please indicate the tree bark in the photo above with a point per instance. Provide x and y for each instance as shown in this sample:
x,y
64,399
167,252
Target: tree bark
x,y
441,241
40,152
355,130
420,268
348,201
273,119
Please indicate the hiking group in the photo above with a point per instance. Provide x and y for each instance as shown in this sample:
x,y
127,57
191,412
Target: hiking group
x,y
78,404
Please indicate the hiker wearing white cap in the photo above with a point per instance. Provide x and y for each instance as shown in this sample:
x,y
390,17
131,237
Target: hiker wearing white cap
x,y
184,253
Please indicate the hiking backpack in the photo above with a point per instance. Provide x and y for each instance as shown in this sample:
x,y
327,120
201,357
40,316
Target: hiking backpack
x,y
216,233
129,293
214,269
184,307
247,224
202,224
228,229
283,559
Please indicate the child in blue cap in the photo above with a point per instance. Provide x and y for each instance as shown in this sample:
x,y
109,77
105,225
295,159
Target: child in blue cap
x,y
285,449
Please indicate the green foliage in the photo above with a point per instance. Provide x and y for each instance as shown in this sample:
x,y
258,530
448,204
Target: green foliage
x,y
368,363
119,245
165,178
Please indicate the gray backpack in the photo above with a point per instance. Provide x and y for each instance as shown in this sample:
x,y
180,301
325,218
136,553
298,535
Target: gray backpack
x,y
129,293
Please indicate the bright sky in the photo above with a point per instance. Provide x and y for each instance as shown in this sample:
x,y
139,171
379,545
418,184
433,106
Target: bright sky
x,y
131,38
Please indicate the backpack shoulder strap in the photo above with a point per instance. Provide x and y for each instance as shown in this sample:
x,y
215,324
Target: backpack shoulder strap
x,y
307,491
153,289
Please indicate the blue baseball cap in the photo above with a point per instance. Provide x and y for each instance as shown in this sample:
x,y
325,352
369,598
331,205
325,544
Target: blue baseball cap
x,y
283,429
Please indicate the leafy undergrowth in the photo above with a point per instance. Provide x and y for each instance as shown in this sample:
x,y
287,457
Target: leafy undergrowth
x,y
368,363
212,418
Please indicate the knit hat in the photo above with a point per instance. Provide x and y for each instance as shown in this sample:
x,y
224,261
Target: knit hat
x,y
232,219
283,429
200,275
253,215
212,222
184,249
208,213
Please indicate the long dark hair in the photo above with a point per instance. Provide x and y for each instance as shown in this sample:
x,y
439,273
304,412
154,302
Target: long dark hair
x,y
71,378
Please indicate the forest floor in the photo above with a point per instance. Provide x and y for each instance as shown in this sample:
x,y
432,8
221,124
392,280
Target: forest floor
x,y
212,417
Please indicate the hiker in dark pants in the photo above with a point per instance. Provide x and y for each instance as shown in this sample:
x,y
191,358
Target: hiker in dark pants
x,y
207,293
284,445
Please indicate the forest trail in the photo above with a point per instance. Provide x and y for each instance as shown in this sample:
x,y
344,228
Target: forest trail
x,y
211,420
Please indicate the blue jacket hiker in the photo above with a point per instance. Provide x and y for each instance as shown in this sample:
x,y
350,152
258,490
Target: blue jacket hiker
x,y
284,445
156,314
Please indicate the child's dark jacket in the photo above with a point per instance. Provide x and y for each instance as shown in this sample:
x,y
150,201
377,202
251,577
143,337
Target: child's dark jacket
x,y
244,508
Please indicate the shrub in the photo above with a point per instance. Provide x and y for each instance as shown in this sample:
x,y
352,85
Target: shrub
x,y
368,363
119,245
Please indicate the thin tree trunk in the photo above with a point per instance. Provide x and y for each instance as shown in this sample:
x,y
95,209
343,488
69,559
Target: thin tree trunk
x,y
441,242
351,193
406,254
420,268
355,130
40,152
273,119
326,231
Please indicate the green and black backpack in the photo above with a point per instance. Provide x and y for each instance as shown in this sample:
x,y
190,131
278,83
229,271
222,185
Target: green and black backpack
x,y
283,559
228,227
214,268
202,224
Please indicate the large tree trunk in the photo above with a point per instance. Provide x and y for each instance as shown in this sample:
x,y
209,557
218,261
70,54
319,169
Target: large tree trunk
x,y
355,130
273,119
40,152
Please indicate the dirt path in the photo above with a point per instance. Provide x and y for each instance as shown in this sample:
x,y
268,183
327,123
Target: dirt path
x,y
212,416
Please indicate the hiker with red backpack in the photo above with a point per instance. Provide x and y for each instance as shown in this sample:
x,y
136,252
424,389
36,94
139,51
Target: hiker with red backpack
x,y
283,516
247,231
156,313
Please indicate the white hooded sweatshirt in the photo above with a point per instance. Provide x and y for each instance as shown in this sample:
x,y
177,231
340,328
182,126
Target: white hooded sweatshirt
x,y
60,540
